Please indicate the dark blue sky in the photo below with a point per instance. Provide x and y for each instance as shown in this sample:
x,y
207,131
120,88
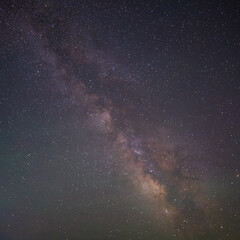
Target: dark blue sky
x,y
119,120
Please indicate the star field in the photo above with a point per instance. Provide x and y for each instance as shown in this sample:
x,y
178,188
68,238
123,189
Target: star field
x,y
119,120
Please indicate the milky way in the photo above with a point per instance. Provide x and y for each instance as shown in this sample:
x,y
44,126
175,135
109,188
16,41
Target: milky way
x,y
119,120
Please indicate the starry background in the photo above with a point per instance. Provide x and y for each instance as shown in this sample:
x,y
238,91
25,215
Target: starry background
x,y
119,120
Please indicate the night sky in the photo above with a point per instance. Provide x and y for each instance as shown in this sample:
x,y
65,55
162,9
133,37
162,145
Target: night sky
x,y
119,120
